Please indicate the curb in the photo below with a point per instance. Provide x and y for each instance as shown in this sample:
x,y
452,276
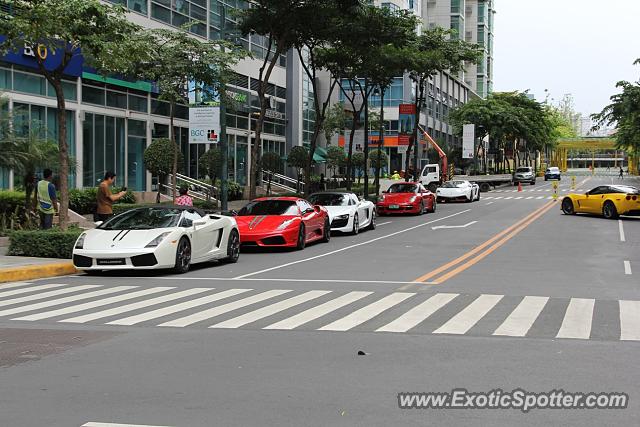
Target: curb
x,y
36,271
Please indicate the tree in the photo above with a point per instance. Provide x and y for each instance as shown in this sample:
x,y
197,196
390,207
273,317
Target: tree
x,y
271,162
624,112
358,164
335,121
379,161
297,159
72,30
435,50
158,159
175,61
277,21
335,158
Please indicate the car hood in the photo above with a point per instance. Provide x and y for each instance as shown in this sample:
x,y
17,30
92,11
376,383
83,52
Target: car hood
x,y
450,191
265,223
99,239
398,197
335,211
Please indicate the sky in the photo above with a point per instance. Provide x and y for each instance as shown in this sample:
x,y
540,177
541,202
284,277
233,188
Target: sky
x,y
581,47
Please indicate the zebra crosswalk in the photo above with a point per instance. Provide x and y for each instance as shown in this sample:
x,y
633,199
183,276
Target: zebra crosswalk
x,y
322,310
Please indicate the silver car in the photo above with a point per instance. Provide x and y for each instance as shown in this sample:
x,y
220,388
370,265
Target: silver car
x,y
524,174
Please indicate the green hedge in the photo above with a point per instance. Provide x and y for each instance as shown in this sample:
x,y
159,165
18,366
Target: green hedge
x,y
12,200
52,243
84,201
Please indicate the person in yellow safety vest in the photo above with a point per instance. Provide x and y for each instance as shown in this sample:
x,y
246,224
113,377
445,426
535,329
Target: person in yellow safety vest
x,y
395,176
47,200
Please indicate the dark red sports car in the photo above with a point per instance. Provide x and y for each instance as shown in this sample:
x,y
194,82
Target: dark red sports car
x,y
406,197
282,222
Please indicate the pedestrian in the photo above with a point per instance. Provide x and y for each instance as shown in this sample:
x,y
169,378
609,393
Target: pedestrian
x,y
395,176
323,185
47,200
184,199
621,174
105,198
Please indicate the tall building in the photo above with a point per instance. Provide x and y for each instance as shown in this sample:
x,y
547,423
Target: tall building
x,y
111,121
471,20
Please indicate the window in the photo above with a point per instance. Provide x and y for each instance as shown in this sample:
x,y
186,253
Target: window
x,y
5,78
455,6
29,83
93,95
138,103
455,27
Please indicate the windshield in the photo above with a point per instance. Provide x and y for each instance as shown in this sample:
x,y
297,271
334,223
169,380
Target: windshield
x,y
402,188
523,170
144,219
554,170
270,207
329,199
453,184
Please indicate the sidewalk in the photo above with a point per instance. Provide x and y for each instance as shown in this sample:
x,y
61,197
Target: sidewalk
x,y
16,268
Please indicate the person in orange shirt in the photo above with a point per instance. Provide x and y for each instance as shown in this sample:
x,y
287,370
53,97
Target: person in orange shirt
x,y
105,198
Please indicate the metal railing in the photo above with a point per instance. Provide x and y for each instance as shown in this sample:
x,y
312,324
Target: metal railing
x,y
281,182
197,189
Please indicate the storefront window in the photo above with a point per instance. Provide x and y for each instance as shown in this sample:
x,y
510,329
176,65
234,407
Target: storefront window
x,y
136,143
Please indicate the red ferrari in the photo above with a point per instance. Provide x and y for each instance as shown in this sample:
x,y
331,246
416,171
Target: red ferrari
x,y
406,197
282,222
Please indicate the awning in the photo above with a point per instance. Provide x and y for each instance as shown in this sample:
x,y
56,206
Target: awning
x,y
320,155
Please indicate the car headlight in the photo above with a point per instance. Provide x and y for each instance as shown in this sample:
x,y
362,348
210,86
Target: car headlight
x,y
345,216
80,241
155,242
285,224
414,199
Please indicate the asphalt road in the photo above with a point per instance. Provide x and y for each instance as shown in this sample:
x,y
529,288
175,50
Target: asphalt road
x,y
517,295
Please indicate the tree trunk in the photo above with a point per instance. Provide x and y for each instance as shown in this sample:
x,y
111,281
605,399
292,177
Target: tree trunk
x,y
349,171
174,168
28,190
63,153
380,142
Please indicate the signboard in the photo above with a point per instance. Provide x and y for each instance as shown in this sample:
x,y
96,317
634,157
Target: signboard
x,y
468,140
402,149
204,125
51,58
406,122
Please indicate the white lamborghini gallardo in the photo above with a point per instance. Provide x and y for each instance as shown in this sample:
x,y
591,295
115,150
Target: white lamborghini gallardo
x,y
157,237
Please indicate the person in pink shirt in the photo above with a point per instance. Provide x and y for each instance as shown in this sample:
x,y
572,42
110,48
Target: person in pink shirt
x,y
184,199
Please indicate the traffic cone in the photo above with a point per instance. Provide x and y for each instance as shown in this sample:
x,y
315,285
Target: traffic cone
x,y
519,187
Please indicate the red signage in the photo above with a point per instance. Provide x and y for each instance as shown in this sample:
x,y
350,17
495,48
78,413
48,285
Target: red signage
x,y
407,109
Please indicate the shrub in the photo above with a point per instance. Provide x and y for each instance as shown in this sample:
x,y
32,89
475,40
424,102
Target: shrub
x,y
52,243
10,201
84,201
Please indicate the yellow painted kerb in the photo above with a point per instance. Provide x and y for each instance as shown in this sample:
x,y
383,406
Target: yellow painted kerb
x,y
29,272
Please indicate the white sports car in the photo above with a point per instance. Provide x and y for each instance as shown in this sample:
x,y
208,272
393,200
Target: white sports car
x,y
458,190
347,212
157,237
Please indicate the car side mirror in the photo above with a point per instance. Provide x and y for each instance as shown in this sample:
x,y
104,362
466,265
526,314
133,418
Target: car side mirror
x,y
98,223
308,211
385,191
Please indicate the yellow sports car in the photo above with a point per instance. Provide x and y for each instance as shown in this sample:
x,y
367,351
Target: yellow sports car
x,y
610,201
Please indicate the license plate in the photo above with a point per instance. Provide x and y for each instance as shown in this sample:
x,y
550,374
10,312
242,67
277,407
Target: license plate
x,y
111,261
394,207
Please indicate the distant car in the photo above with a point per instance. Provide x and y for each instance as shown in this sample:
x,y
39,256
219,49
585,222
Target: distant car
x,y
347,213
552,173
406,197
524,174
282,222
157,237
458,190
609,201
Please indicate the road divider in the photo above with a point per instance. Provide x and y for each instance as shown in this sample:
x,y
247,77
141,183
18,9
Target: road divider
x,y
463,262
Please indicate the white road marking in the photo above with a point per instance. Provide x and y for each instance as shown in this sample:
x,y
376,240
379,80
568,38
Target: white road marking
x,y
367,313
14,285
33,289
176,308
488,197
499,197
383,223
577,319
135,306
418,314
47,294
266,279
518,198
627,267
65,300
487,204
318,311
530,197
629,320
621,230
539,197
95,424
350,247
470,315
92,304
222,309
507,198
437,227
269,310
522,317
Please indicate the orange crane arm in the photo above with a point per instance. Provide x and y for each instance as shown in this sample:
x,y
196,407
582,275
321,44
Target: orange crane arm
x,y
443,156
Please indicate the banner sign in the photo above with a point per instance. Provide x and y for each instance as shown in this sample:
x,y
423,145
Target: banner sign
x,y
468,140
204,125
406,120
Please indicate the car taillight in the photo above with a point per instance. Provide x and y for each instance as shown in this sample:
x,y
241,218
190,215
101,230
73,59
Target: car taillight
x,y
634,197
628,197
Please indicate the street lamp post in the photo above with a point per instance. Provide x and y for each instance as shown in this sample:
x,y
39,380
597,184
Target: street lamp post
x,y
224,173
366,137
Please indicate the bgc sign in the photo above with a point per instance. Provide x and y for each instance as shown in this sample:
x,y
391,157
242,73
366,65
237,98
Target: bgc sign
x,y
28,57
204,125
